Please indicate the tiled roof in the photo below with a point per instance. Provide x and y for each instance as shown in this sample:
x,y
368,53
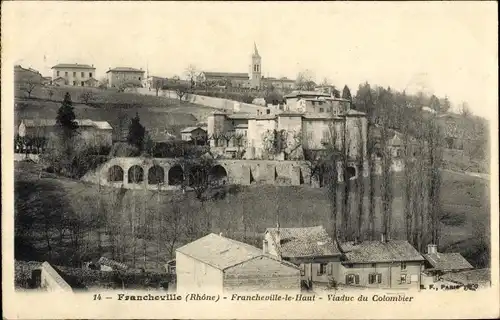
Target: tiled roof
x,y
112,263
191,129
377,251
104,125
295,94
220,252
469,276
304,242
447,261
72,65
239,75
125,69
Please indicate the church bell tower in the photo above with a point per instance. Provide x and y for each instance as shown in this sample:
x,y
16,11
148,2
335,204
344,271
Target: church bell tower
x,y
255,74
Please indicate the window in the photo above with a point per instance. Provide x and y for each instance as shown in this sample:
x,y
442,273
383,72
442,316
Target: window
x,y
374,265
330,270
66,73
139,78
58,73
403,265
90,74
402,279
83,83
322,269
74,83
352,279
74,74
374,278
321,110
302,269
83,74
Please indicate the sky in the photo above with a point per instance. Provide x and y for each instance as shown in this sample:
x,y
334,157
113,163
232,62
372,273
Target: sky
x,y
442,48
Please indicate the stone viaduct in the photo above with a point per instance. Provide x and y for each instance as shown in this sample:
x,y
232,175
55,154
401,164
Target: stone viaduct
x,y
167,174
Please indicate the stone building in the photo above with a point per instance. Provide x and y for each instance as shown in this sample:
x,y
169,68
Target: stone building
x,y
218,264
97,133
253,79
74,74
122,75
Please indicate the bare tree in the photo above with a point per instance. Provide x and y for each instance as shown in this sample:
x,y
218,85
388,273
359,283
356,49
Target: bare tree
x,y
158,85
386,186
464,109
86,96
29,85
305,80
360,183
50,93
191,74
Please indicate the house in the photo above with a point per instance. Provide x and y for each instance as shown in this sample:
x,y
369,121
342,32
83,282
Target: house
x,y
59,81
394,264
196,134
46,81
292,99
215,263
90,132
473,279
106,264
73,74
124,75
310,248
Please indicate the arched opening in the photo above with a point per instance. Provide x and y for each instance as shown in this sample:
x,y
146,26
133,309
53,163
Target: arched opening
x,y
219,174
115,174
351,173
175,175
156,175
135,174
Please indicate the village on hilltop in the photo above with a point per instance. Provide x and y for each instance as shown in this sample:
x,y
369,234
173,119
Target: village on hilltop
x,y
376,160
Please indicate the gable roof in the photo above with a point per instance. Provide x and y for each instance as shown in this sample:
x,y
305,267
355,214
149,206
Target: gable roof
x,y
295,94
239,75
191,129
303,242
220,252
112,263
125,69
377,251
469,276
73,66
447,261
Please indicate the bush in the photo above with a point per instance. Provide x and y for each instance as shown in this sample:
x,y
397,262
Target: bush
x,y
123,149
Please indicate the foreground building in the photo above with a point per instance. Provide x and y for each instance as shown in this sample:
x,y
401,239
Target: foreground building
x,y
215,263
74,74
310,248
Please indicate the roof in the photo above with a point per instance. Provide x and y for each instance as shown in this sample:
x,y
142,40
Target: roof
x,y
295,94
191,129
90,80
125,69
104,125
112,263
72,66
304,242
470,276
377,251
447,261
227,74
272,79
220,252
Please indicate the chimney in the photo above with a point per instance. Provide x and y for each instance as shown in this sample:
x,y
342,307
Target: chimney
x,y
383,238
431,249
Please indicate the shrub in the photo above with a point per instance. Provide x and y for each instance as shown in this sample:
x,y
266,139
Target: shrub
x,y
122,149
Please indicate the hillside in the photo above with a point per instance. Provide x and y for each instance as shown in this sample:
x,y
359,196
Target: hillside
x,y
108,105
239,212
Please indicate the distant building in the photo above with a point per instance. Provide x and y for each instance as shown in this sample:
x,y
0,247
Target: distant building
x,y
383,264
125,75
309,101
46,81
196,134
73,74
251,79
310,248
216,263
90,132
24,75
106,264
153,82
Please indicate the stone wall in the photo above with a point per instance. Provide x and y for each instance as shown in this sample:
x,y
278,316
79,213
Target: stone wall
x,y
242,172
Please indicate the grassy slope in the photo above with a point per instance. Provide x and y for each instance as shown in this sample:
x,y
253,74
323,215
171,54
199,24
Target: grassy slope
x,y
464,198
108,105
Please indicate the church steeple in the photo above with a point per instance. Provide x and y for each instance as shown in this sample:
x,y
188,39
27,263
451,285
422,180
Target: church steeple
x,y
255,51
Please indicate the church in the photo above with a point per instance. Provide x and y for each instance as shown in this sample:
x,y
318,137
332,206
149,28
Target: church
x,y
253,79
